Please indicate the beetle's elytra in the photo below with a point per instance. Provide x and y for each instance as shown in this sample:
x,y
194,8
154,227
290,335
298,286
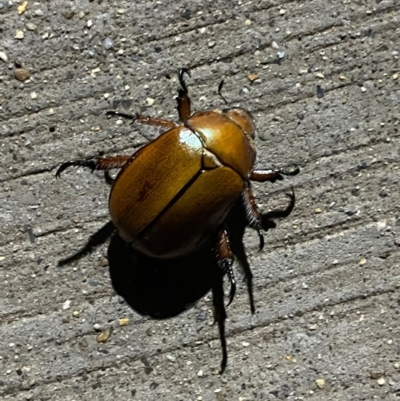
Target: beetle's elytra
x,y
172,194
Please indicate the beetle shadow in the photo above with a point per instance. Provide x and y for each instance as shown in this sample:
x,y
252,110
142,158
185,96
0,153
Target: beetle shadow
x,y
160,288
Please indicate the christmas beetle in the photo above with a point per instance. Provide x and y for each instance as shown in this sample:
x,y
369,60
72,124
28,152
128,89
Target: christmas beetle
x,y
174,193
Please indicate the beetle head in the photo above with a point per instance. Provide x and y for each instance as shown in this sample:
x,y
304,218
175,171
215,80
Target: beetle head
x,y
243,118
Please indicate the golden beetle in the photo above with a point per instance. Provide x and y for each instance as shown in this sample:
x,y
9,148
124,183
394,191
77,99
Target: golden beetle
x,y
175,192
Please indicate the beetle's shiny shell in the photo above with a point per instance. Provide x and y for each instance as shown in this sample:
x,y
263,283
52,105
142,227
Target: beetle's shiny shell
x,y
177,190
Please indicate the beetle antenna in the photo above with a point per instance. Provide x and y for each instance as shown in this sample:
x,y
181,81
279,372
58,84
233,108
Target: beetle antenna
x,y
221,84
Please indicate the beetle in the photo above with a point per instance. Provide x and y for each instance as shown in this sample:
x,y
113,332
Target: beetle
x,y
174,193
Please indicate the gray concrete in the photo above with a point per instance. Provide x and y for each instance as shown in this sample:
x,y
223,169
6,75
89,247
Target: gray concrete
x,y
327,283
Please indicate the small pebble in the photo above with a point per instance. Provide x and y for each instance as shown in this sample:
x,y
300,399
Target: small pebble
x,y
342,77
97,327
150,101
211,44
171,358
252,77
75,313
19,35
320,75
245,344
104,335
363,89
69,14
22,7
3,56
381,381
124,321
66,304
89,24
108,43
395,76
200,373
376,375
318,210
362,261
274,45
30,27
320,383
22,74
33,95
94,72
281,55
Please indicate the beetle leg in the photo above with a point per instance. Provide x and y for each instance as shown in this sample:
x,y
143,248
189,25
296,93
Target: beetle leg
x,y
97,163
225,261
221,84
109,180
252,214
272,175
148,120
183,97
220,315
266,218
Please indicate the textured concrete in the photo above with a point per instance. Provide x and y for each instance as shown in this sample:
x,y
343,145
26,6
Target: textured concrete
x,y
327,283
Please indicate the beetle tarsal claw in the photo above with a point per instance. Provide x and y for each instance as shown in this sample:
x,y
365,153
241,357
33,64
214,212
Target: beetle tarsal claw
x,y
181,73
261,238
232,280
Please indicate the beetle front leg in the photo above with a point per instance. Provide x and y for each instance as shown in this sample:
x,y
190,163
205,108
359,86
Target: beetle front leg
x,y
97,163
272,175
147,120
183,97
220,315
225,261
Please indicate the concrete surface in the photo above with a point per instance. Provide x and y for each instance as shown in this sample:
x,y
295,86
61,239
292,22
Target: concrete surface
x,y
327,283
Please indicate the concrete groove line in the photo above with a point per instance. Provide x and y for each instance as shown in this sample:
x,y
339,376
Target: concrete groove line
x,y
194,66
329,268
259,110
140,40
13,389
271,283
310,94
375,167
300,238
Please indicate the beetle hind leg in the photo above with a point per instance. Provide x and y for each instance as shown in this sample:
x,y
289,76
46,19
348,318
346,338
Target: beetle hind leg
x,y
225,261
267,218
97,163
220,315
